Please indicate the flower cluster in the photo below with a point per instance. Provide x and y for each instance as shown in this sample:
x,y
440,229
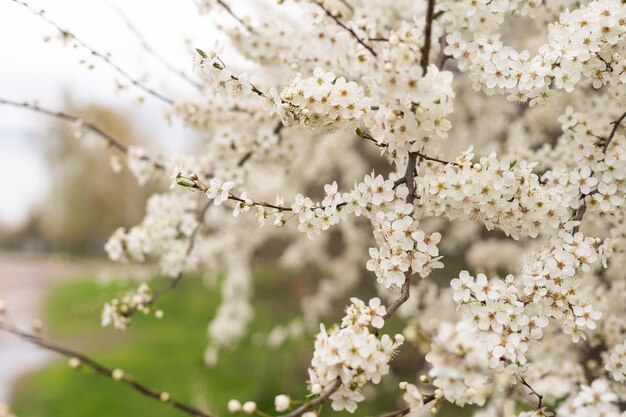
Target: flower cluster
x,y
360,315
459,365
418,120
616,362
351,354
118,312
322,102
596,399
588,170
404,249
168,217
509,314
140,164
210,66
503,194
585,44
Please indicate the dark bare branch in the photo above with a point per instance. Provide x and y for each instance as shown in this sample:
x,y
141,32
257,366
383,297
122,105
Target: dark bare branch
x,y
102,370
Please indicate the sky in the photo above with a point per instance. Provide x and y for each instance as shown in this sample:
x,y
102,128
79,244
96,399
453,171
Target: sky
x,y
32,69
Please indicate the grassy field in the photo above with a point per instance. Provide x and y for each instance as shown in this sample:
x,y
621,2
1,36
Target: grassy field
x,y
166,354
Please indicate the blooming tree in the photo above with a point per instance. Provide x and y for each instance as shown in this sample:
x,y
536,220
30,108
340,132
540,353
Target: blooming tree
x,y
501,125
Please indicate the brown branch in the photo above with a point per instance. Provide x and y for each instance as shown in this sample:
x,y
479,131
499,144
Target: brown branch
x,y
108,138
366,136
118,145
103,57
102,370
309,405
404,295
430,16
440,161
533,392
409,174
407,410
580,211
343,26
237,18
616,125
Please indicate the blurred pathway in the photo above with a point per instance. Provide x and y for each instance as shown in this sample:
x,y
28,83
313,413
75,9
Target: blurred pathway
x,y
24,281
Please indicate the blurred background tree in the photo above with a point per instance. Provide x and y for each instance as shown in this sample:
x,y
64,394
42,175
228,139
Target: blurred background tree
x,y
86,200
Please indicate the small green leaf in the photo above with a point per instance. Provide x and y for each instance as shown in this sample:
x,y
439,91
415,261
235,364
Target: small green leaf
x,y
202,53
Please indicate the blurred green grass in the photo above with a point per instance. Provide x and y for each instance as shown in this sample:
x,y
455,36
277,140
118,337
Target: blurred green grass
x,y
166,354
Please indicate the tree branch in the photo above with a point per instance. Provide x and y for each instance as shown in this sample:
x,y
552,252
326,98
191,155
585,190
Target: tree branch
x,y
102,370
532,391
121,147
343,26
237,18
309,405
409,174
428,28
155,54
407,410
103,57
108,138
580,211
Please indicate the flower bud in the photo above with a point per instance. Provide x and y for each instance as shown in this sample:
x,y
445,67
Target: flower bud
x,y
282,403
234,406
249,407
117,374
74,363
36,325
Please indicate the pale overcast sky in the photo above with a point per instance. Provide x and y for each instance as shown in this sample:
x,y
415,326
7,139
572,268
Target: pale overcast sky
x,y
31,69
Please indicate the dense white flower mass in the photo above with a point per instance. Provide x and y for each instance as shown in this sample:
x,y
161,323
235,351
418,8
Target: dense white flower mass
x,y
479,145
552,179
322,102
352,354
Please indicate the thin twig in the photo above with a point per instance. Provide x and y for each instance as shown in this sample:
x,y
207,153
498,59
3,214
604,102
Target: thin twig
x,y
154,53
102,370
343,26
108,138
407,410
532,391
103,57
419,154
580,211
121,147
237,18
309,405
440,161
